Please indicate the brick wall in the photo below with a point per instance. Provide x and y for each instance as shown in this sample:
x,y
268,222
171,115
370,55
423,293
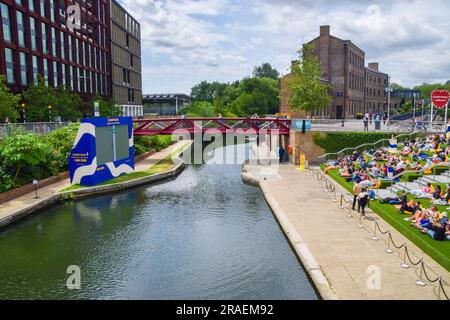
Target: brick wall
x,y
304,143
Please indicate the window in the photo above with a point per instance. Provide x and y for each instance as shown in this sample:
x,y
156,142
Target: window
x,y
85,80
62,45
19,2
52,10
90,55
42,7
95,57
35,68
44,38
83,53
33,34
69,42
23,69
71,77
77,49
63,74
131,60
54,41
127,40
46,71
31,5
6,22
78,80
55,74
20,29
9,66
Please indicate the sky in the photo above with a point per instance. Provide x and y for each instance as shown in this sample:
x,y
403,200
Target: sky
x,y
185,41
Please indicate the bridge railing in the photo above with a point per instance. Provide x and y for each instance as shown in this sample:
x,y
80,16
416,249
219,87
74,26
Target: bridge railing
x,y
355,125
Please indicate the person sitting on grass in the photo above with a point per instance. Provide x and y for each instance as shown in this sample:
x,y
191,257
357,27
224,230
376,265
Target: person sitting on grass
x,y
424,192
436,230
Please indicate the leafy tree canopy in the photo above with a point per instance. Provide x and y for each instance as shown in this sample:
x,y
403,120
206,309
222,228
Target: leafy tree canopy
x,y
266,71
306,91
8,102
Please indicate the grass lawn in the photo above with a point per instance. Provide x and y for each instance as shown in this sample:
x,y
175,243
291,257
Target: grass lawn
x,y
161,166
439,251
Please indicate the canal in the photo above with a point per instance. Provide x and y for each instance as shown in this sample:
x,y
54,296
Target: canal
x,y
204,235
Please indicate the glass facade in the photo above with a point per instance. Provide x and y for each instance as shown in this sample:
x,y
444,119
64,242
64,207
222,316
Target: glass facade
x,y
33,34
44,38
6,22
9,66
20,29
35,68
23,69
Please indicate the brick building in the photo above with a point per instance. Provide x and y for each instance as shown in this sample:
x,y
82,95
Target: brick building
x,y
355,88
38,38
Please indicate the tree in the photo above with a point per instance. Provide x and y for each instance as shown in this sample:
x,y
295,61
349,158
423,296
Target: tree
x,y
37,98
23,150
199,109
306,91
396,86
206,91
426,89
68,104
8,102
266,87
247,104
266,71
108,108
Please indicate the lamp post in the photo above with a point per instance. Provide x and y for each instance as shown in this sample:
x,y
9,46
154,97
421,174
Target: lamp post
x,y
389,90
50,113
23,112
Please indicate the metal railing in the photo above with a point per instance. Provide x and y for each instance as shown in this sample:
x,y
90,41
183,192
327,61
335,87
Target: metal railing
x,y
407,261
369,146
35,127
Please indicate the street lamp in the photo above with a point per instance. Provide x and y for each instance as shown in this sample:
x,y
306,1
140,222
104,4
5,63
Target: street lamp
x,y
389,90
23,112
50,113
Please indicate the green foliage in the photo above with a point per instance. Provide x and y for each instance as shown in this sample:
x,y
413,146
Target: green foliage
x,y
266,71
143,144
108,108
37,98
306,91
61,142
199,109
68,104
23,150
426,89
206,91
242,98
336,141
8,102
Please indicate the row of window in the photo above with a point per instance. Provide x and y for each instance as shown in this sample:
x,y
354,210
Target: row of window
x,y
74,78
355,60
374,79
132,26
23,31
375,92
356,106
356,82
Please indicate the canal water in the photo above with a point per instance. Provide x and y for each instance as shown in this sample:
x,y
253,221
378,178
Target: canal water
x,y
204,235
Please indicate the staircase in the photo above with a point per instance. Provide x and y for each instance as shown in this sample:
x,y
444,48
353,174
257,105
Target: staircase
x,y
407,187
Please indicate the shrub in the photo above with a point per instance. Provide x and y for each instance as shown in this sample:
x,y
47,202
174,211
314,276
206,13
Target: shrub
x,y
336,141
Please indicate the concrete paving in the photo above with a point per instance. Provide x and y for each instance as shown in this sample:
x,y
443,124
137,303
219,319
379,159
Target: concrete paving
x,y
346,254
12,207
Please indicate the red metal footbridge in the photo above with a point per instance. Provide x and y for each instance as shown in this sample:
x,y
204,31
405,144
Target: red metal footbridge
x,y
245,126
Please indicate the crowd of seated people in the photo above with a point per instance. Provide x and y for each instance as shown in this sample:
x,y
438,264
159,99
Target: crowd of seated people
x,y
370,168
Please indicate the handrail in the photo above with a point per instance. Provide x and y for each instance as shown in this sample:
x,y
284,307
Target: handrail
x,y
367,144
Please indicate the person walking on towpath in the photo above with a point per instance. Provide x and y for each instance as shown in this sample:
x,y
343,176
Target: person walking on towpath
x,y
357,189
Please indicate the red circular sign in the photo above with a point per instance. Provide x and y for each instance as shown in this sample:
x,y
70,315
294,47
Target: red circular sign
x,y
440,98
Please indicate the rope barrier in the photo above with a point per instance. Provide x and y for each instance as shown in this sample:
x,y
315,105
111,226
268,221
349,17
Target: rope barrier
x,y
329,187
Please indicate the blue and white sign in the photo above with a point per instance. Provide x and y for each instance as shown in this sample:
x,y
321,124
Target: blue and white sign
x,y
103,150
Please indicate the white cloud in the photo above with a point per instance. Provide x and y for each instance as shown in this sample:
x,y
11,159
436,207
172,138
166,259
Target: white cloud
x,y
185,42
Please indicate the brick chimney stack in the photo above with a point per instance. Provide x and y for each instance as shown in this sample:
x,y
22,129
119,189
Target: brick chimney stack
x,y
374,66
325,31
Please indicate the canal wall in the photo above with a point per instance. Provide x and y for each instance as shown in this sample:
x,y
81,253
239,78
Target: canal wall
x,y
320,281
16,215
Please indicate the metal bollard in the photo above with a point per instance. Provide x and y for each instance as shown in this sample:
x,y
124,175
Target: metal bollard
x,y
342,202
375,238
420,282
404,265
388,249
